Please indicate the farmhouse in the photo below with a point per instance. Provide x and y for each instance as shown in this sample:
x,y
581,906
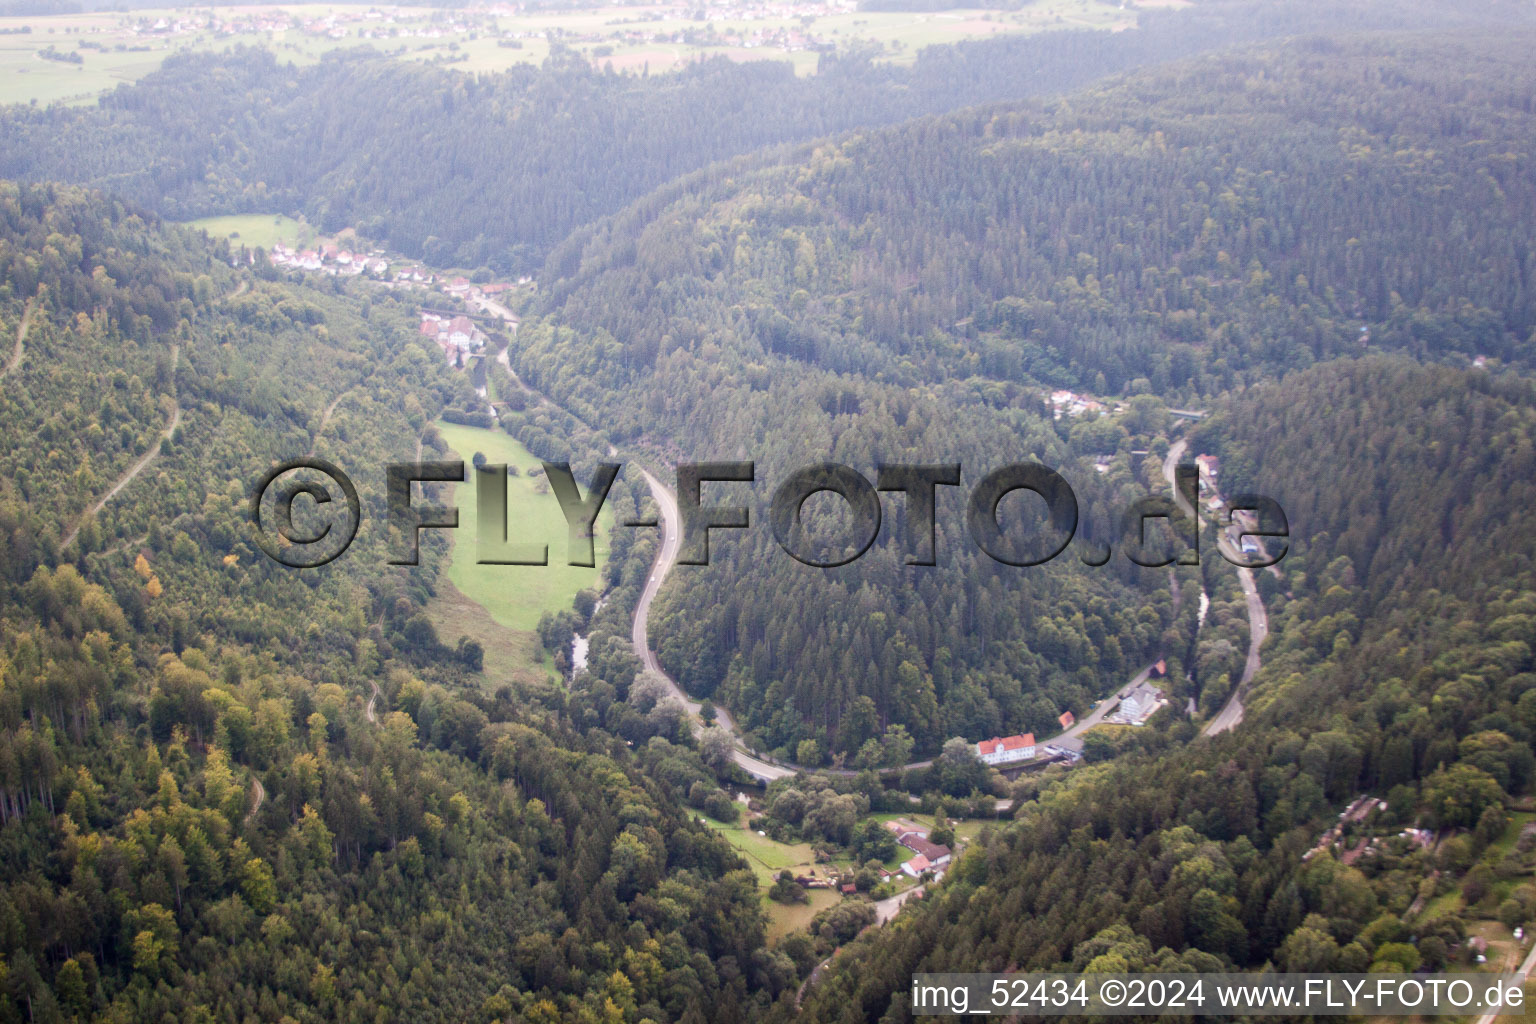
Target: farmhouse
x,y
933,853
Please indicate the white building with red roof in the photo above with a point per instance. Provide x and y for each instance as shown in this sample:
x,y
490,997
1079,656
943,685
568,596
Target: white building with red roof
x,y
1007,749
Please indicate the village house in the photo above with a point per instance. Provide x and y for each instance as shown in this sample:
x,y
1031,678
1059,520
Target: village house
x,y
1139,705
1067,403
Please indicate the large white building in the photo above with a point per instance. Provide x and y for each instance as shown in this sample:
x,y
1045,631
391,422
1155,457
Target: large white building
x,y
1007,749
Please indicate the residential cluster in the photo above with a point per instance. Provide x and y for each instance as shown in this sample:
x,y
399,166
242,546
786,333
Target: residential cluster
x,y
333,260
420,23
1210,493
458,336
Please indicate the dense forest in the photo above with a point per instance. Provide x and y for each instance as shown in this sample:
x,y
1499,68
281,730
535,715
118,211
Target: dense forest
x,y
235,791
1160,241
229,790
1396,668
494,170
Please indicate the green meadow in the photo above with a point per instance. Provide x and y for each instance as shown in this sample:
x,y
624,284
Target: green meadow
x,y
516,595
253,229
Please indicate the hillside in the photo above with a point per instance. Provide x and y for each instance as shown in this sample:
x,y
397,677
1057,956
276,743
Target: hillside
x,y
496,169
229,789
915,294
1386,675
232,790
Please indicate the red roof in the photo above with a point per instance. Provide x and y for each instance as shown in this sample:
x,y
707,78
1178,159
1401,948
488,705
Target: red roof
x,y
993,745
1067,719
920,863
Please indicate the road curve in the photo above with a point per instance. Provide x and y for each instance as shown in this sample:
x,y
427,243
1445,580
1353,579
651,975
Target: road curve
x,y
372,700
1231,715
666,557
762,770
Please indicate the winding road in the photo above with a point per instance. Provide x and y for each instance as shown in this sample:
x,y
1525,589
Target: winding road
x,y
762,770
759,768
666,557
133,470
372,701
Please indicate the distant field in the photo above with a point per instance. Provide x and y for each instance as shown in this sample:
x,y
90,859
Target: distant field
x,y
123,47
253,229
515,595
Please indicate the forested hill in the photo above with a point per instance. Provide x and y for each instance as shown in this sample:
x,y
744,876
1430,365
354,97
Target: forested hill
x,y
235,791
495,169
1411,679
914,293
1197,226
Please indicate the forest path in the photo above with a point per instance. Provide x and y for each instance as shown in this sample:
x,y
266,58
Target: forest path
x,y
325,419
258,795
133,470
21,338
372,701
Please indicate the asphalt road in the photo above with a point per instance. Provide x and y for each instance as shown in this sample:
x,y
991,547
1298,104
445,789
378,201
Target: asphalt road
x,y
1072,739
666,557
1231,714
1523,973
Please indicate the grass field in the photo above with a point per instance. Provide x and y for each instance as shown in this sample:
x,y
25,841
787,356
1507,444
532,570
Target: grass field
x,y
515,595
785,919
117,47
253,229
766,856
511,655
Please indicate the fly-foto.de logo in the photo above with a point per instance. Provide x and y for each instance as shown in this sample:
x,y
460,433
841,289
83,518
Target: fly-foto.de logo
x,y
1046,522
